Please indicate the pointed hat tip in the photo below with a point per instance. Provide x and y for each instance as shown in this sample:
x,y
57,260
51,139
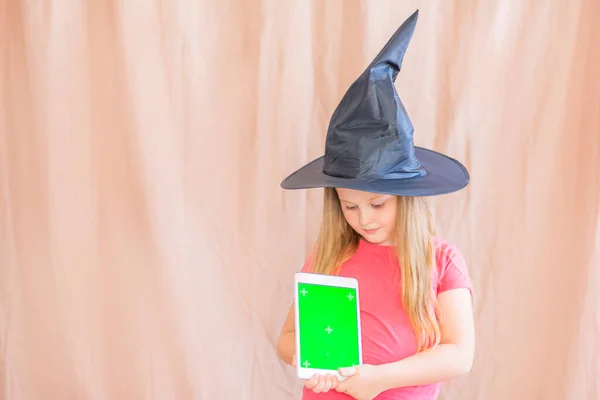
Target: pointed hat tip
x,y
413,18
394,50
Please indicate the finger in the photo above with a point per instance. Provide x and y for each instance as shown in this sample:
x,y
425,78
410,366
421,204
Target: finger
x,y
328,383
342,387
312,382
320,385
349,371
334,382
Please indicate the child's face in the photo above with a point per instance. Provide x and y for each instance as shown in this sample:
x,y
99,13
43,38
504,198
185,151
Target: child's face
x,y
371,215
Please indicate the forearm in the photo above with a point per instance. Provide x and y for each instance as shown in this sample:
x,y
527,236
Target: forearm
x,y
441,363
286,347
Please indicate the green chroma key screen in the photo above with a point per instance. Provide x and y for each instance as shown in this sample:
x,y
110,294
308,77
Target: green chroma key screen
x,y
328,326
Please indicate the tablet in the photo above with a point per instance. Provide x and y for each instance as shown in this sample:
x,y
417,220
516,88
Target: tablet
x,y
327,314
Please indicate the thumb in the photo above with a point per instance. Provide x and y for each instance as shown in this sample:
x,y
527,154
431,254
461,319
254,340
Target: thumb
x,y
347,371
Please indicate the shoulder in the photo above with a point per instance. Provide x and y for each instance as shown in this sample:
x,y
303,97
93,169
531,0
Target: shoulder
x,y
447,251
308,263
452,271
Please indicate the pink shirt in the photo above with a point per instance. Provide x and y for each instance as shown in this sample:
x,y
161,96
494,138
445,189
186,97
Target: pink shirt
x,y
387,334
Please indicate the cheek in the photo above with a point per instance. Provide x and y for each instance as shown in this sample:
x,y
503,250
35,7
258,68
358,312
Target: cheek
x,y
351,218
389,218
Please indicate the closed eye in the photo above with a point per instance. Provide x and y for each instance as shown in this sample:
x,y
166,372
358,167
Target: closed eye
x,y
375,206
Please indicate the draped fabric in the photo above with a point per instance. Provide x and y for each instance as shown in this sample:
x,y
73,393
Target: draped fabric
x,y
147,250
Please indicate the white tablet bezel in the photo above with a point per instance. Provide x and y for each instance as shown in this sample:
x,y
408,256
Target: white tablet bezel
x,y
329,280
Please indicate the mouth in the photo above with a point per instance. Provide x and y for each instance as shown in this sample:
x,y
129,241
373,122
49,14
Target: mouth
x,y
370,231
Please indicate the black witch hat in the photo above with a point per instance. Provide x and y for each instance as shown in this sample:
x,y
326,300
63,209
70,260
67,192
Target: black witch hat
x,y
369,143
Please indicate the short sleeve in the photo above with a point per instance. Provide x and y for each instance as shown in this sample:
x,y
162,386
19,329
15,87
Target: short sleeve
x,y
452,269
307,267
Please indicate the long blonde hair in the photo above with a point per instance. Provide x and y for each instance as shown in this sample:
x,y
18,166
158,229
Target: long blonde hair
x,y
414,249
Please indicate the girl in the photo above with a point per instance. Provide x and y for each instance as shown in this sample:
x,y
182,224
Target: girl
x,y
415,291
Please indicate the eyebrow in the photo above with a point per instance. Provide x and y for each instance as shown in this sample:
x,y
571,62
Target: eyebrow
x,y
371,199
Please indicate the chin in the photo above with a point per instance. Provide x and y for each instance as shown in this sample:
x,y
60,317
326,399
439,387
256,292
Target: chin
x,y
382,243
378,241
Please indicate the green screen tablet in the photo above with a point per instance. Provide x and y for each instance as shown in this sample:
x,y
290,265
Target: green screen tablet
x,y
328,332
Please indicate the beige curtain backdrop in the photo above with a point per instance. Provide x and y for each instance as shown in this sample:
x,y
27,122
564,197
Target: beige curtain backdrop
x,y
147,251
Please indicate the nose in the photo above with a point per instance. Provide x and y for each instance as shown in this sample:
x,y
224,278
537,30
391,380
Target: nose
x,y
365,217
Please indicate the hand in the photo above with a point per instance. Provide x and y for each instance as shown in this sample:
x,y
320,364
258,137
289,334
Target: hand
x,y
319,383
322,383
361,382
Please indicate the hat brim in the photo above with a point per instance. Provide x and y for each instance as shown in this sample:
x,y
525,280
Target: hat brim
x,y
444,175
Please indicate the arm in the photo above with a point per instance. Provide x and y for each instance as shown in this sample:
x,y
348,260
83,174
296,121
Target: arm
x,y
286,343
451,358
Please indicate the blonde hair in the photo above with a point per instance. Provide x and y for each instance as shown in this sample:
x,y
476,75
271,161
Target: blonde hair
x,y
414,249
